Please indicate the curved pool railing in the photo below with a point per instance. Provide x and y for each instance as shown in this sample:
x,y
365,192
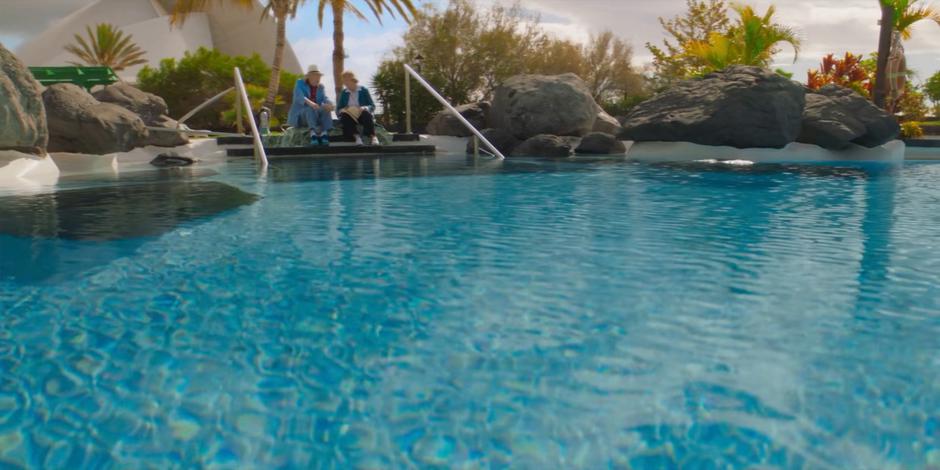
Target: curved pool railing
x,y
477,134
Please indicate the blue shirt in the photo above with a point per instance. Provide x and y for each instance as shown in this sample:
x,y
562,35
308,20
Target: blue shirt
x,y
302,90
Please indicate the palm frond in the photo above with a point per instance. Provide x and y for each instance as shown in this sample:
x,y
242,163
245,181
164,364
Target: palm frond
x,y
107,46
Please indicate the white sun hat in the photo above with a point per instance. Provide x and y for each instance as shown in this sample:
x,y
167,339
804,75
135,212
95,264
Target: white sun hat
x,y
314,69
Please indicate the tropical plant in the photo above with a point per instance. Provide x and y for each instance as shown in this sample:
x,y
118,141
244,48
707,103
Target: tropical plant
x,y
848,72
339,8
911,130
281,10
702,18
106,46
911,12
187,82
752,40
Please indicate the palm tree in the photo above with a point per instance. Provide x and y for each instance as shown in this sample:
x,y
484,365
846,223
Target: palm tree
x,y
899,16
106,46
752,40
281,10
405,8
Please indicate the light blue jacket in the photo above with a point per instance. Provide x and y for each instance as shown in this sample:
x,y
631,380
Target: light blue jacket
x,y
365,100
301,91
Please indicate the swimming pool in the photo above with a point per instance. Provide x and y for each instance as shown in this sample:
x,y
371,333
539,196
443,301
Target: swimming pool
x,y
420,313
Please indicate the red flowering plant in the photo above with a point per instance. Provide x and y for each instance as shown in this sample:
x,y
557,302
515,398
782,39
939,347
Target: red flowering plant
x,y
849,72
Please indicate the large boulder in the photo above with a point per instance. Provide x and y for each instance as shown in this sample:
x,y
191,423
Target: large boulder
x,y
543,145
22,115
81,124
600,143
607,124
529,105
501,139
740,107
445,123
836,117
151,108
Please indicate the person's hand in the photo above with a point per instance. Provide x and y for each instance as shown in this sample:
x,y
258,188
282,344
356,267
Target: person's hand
x,y
328,107
313,105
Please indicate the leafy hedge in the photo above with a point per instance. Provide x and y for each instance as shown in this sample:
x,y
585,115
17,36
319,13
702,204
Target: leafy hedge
x,y
200,75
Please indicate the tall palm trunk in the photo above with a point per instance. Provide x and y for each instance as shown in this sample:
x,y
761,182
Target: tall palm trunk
x,y
275,82
339,54
880,94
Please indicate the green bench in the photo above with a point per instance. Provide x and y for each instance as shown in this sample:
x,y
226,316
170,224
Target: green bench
x,y
86,77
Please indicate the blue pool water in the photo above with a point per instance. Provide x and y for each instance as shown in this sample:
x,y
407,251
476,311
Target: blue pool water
x,y
419,313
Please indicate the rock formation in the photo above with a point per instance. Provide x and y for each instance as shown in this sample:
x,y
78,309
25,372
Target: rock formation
x,y
79,123
22,115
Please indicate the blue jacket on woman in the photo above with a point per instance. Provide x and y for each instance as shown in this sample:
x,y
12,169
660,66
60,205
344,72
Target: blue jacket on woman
x,y
298,105
365,99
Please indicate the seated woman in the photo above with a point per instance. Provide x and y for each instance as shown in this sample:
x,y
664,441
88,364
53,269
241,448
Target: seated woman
x,y
311,108
355,109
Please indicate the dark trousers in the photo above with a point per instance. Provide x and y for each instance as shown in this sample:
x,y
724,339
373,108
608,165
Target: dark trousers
x,y
350,126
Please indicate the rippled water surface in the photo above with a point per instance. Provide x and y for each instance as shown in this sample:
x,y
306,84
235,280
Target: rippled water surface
x,y
420,313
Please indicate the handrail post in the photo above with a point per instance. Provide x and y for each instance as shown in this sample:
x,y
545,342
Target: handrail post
x,y
407,102
239,126
454,111
256,137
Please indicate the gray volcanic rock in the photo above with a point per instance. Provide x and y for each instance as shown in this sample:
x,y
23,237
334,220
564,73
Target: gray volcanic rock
x,y
607,124
79,123
600,143
151,108
502,140
147,105
22,114
445,123
529,105
543,145
740,107
836,117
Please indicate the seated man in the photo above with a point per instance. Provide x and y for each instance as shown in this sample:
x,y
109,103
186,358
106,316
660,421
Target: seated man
x,y
311,108
356,108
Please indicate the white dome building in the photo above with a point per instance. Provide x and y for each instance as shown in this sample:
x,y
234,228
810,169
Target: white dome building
x,y
231,30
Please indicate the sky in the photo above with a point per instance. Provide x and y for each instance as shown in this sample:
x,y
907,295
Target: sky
x,y
824,26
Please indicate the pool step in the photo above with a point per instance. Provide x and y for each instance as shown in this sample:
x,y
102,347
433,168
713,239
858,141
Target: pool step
x,y
247,140
337,150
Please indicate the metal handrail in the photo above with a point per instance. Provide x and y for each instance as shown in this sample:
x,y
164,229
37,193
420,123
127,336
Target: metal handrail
x,y
256,136
453,110
203,105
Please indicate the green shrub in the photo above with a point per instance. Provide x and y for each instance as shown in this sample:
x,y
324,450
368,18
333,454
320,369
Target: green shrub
x,y
200,75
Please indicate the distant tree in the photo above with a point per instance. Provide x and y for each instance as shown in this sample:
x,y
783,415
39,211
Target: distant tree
x,y
932,88
339,8
281,10
106,46
912,105
701,19
849,72
556,56
752,40
608,68
468,52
